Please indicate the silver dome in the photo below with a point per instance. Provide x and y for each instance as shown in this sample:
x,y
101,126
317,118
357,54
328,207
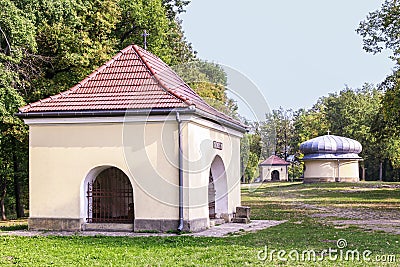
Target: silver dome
x,y
331,147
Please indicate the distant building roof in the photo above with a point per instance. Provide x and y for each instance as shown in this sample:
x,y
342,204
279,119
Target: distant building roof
x,y
274,161
331,147
133,79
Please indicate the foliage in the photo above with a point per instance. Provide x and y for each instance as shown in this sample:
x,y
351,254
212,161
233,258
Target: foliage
x,y
17,44
174,7
13,134
250,154
73,37
209,81
381,30
277,132
200,71
387,123
390,112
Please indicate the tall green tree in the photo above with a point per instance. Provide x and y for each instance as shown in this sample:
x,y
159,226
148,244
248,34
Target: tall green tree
x,y
277,133
17,48
73,37
381,30
209,80
250,156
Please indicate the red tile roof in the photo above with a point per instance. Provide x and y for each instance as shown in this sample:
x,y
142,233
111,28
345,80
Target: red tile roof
x,y
132,79
274,160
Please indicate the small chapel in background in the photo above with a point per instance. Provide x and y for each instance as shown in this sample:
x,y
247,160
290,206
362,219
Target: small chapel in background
x,y
274,169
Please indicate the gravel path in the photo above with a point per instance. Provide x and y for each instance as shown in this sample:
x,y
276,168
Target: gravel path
x,y
222,230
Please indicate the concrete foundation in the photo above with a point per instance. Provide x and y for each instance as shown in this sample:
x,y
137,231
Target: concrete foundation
x,y
310,180
55,224
62,224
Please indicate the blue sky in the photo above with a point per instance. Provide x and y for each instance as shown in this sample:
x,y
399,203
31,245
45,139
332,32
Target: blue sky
x,y
294,51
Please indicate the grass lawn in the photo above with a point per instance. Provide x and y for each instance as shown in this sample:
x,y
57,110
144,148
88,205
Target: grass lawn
x,y
311,211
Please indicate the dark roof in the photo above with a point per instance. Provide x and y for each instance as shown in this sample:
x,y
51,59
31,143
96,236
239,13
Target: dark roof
x,y
133,79
331,147
274,161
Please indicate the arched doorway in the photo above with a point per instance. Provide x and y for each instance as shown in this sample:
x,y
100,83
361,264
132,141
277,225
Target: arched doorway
x,y
110,198
217,190
275,175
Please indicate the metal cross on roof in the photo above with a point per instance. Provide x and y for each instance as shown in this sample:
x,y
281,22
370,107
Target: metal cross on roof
x,y
329,132
145,34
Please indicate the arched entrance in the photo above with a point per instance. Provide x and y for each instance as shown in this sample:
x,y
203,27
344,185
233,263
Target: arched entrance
x,y
275,175
110,198
217,190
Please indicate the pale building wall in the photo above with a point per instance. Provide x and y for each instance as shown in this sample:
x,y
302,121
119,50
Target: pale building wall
x,y
327,171
200,155
65,157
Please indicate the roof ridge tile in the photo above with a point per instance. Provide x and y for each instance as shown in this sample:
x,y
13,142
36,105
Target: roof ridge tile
x,y
158,78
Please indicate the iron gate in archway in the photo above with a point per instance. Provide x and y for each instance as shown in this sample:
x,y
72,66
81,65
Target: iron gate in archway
x,y
110,198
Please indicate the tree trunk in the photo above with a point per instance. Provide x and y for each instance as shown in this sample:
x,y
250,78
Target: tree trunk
x,y
363,173
17,187
3,191
380,171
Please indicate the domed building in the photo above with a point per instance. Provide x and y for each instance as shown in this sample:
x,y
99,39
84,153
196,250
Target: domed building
x,y
331,158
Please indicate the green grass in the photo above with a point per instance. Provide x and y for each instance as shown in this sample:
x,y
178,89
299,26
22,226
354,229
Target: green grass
x,y
270,201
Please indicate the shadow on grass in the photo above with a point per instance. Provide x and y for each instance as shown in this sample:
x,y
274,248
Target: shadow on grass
x,y
14,227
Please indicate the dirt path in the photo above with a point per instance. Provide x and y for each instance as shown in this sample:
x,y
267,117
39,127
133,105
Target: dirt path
x,y
387,220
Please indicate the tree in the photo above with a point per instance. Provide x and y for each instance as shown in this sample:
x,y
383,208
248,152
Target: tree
x,y
13,134
381,30
386,125
174,7
390,109
209,81
277,133
250,147
158,18
17,48
73,37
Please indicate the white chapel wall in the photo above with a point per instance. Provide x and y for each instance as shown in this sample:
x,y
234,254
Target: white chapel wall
x,y
200,154
61,156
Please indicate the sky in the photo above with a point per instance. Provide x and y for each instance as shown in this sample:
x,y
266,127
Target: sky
x,y
293,51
